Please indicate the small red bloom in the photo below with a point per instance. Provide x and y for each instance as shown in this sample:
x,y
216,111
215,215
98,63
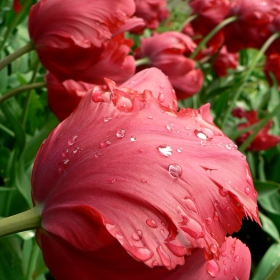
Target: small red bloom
x,y
272,64
16,6
263,140
131,189
210,13
84,40
224,61
250,30
152,11
167,51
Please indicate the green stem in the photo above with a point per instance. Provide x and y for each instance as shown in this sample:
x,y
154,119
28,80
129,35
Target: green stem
x,y
142,61
252,66
14,22
20,89
259,126
32,261
211,34
188,20
18,53
28,99
29,219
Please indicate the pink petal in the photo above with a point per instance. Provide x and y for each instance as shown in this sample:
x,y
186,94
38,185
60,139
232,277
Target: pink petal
x,y
162,183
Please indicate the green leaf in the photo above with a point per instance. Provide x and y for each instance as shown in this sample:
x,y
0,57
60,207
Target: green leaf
x,y
266,188
271,203
269,262
269,227
10,262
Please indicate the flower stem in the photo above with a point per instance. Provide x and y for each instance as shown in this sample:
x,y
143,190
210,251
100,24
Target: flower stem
x,y
188,20
20,89
29,219
249,72
211,34
18,53
142,61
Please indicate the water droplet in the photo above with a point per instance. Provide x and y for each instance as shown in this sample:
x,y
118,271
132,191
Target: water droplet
x,y
208,221
141,253
247,190
225,271
152,223
187,127
65,161
143,180
78,149
244,260
161,86
150,117
190,204
97,155
230,146
124,104
132,82
224,253
65,152
120,133
161,97
212,268
165,150
208,171
236,258
200,134
132,138
155,263
177,250
223,192
164,256
72,140
227,208
214,248
179,150
216,216
112,180
137,235
175,170
104,144
170,126
107,119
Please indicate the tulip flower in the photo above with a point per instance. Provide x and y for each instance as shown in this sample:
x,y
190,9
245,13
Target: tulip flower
x,y
64,97
263,139
129,188
152,11
84,40
210,13
167,51
250,30
16,6
272,64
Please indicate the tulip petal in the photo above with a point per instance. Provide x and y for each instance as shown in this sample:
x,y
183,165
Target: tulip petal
x,y
162,183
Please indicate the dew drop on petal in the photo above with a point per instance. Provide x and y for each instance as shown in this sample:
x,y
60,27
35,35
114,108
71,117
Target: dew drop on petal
x,y
224,253
120,133
132,138
247,190
104,144
165,150
143,254
190,204
225,271
65,161
152,223
175,170
179,150
214,248
137,235
169,126
223,192
72,140
177,250
112,180
97,155
144,180
200,134
164,256
107,119
65,152
216,216
161,97
208,221
212,268
236,258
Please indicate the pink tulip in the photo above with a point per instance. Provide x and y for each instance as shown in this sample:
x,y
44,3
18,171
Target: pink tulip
x,y
152,11
167,51
131,189
83,40
250,30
